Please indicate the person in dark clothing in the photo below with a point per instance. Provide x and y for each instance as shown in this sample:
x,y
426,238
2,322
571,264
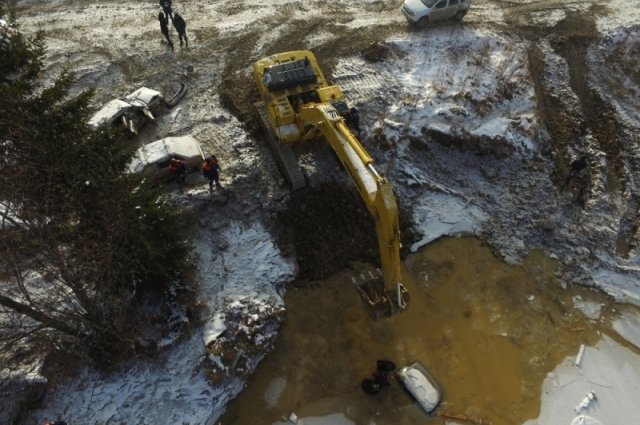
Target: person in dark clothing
x,y
354,120
577,166
211,171
181,27
165,28
166,8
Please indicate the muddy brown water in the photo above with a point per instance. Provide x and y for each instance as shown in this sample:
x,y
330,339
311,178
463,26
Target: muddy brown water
x,y
488,332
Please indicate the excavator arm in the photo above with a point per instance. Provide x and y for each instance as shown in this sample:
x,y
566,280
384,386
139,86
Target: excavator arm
x,y
386,296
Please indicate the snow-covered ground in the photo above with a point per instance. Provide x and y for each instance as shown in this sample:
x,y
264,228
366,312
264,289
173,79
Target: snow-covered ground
x,y
176,389
468,84
609,371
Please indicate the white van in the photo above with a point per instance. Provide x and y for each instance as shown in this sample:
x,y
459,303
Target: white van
x,y
136,109
422,386
421,12
153,158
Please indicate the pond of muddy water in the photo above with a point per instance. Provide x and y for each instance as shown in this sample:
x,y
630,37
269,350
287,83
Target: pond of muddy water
x,y
488,332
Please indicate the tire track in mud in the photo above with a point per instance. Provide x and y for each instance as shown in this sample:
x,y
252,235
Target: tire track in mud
x,y
364,85
573,36
619,82
591,126
567,122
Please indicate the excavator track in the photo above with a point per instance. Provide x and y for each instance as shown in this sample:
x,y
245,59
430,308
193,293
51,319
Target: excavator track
x,y
284,156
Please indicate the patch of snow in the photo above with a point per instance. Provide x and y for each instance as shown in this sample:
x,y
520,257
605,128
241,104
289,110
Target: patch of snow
x,y
611,58
610,371
374,20
620,13
585,420
438,215
213,328
317,39
456,78
548,18
591,309
628,327
242,260
623,285
176,386
7,217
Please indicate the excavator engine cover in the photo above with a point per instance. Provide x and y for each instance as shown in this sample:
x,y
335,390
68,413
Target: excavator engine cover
x,y
288,75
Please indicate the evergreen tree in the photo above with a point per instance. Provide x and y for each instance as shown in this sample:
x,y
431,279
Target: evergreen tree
x,y
80,240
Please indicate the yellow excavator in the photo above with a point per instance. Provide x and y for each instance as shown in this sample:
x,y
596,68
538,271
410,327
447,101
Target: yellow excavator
x,y
297,105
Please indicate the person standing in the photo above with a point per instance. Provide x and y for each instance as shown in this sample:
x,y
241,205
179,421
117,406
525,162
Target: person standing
x,y
166,8
181,27
354,120
211,171
165,28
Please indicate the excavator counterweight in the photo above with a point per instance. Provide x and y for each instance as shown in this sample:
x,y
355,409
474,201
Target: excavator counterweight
x,y
298,104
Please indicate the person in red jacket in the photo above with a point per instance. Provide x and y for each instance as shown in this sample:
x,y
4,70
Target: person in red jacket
x,y
211,171
178,169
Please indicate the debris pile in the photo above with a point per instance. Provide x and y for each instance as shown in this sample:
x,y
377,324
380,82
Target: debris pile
x,y
250,328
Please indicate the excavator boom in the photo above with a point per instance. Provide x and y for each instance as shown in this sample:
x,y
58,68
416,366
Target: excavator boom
x,y
299,105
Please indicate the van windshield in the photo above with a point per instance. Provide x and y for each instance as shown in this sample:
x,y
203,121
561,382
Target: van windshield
x,y
429,3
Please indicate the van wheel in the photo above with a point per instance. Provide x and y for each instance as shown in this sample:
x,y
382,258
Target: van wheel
x,y
459,15
423,22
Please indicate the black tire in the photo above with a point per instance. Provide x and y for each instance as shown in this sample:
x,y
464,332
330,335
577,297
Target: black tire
x,y
458,16
370,386
385,366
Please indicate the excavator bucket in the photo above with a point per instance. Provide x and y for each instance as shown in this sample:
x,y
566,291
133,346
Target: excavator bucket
x,y
379,301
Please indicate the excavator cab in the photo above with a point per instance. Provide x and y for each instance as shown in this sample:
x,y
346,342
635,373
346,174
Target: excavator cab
x,y
298,104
